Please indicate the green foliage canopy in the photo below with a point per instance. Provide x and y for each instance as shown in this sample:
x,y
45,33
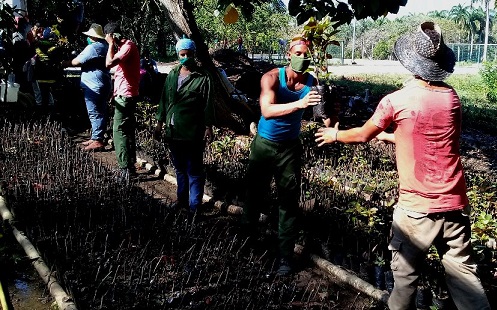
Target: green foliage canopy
x,y
341,12
248,8
262,30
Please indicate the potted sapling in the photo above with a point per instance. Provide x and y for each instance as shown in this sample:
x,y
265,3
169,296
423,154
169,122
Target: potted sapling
x,y
379,272
320,35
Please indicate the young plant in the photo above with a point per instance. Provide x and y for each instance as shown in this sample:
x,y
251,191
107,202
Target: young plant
x,y
320,35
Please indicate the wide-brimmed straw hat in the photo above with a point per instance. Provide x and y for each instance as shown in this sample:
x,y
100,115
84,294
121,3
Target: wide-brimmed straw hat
x,y
425,54
95,31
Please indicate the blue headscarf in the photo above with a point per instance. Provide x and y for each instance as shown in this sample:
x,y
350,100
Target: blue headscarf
x,y
185,44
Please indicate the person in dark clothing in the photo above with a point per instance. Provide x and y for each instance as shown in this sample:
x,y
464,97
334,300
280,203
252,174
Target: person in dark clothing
x,y
149,76
22,52
187,113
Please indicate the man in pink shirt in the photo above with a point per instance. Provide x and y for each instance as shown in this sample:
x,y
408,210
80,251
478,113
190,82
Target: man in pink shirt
x,y
124,54
432,206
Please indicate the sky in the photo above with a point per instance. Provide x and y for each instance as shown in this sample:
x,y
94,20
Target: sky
x,y
424,6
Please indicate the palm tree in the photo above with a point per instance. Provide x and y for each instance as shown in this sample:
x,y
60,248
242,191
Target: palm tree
x,y
477,23
439,14
486,4
461,16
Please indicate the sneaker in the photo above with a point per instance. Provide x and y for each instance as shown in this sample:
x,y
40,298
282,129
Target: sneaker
x,y
253,128
286,267
95,146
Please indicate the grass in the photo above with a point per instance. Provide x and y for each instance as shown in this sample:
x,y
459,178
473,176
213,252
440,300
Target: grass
x,y
478,111
378,84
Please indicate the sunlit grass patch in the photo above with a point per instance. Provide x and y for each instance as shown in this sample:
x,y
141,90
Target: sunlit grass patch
x,y
478,112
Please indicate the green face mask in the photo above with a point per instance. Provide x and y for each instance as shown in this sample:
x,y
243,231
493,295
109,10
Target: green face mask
x,y
187,62
89,41
299,64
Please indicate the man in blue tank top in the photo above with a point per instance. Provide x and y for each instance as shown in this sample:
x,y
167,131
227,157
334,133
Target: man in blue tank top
x,y
276,149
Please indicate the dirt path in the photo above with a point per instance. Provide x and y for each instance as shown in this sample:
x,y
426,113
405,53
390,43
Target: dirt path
x,y
151,183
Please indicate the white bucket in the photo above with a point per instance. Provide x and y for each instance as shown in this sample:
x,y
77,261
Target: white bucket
x,y
12,92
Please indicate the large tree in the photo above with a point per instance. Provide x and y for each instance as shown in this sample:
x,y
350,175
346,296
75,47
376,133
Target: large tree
x,y
486,4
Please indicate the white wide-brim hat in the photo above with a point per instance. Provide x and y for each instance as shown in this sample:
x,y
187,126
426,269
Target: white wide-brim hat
x,y
95,31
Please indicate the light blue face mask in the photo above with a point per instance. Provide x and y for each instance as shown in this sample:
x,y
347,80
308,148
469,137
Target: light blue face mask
x,y
89,41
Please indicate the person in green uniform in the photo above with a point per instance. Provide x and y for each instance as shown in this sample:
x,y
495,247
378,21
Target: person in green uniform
x,y
186,113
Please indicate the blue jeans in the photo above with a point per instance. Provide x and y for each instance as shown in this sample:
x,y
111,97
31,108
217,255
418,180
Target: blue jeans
x,y
96,105
187,157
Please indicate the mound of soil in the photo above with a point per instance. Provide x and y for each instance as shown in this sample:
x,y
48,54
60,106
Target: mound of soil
x,y
242,71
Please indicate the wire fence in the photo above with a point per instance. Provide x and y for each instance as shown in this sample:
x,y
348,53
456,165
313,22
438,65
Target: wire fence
x,y
464,52
473,52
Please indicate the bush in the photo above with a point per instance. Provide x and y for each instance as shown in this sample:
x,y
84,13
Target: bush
x,y
489,77
382,50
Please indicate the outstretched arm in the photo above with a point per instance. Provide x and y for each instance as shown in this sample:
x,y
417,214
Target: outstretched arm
x,y
364,133
71,63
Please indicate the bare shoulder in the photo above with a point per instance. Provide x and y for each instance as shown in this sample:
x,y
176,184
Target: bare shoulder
x,y
271,77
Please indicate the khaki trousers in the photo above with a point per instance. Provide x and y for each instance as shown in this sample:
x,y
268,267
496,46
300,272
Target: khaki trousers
x,y
450,232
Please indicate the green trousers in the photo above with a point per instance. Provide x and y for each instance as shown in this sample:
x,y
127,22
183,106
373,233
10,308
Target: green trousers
x,y
283,161
124,131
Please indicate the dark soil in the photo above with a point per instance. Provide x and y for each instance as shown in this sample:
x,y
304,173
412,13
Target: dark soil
x,y
120,246
322,292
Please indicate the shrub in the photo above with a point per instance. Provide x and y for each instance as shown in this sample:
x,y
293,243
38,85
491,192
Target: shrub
x,y
489,77
382,50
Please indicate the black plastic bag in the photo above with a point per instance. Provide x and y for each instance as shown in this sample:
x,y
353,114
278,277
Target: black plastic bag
x,y
319,110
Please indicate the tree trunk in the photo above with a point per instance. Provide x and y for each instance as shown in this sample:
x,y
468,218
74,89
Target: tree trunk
x,y
471,46
487,29
236,117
